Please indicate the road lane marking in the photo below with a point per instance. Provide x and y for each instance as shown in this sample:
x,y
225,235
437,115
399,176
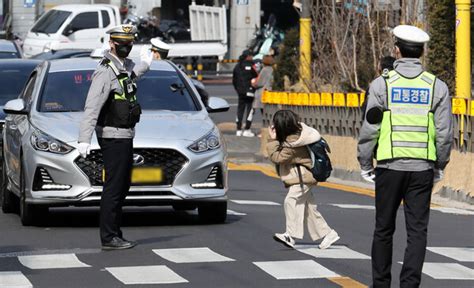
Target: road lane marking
x,y
49,252
14,279
255,202
191,255
155,274
448,271
354,206
333,252
456,211
295,269
347,282
232,212
461,254
52,261
270,171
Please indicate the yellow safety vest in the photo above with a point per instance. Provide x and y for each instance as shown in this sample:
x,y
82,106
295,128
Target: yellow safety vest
x,y
408,129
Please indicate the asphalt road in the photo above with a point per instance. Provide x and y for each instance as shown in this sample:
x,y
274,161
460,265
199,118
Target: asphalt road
x,y
243,244
176,250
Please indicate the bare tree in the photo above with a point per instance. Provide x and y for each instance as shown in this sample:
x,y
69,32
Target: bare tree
x,y
348,40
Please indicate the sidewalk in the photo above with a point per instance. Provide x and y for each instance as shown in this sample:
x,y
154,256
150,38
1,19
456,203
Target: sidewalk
x,y
246,150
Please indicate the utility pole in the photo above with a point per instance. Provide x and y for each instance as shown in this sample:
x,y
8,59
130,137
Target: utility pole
x,y
305,44
463,57
463,49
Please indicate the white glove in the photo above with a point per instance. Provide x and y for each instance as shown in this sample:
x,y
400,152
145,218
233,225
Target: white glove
x,y
438,175
368,175
146,55
84,149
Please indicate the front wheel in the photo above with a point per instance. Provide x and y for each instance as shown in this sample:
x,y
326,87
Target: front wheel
x,y
213,212
29,214
8,201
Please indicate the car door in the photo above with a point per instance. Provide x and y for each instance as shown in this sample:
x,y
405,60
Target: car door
x,y
15,127
84,30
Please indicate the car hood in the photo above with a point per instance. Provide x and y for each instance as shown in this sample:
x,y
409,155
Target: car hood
x,y
153,125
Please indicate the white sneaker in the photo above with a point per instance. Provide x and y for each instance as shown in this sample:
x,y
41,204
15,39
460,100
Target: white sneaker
x,y
284,238
248,133
329,239
238,133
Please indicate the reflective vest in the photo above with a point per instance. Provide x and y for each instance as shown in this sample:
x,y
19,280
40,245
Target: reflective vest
x,y
408,129
121,110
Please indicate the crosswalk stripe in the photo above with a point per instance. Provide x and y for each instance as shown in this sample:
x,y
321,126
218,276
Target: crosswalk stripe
x,y
154,274
334,252
52,261
255,202
14,279
191,255
448,271
461,254
295,269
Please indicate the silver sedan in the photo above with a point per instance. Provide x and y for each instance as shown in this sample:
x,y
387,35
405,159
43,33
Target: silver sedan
x,y
179,154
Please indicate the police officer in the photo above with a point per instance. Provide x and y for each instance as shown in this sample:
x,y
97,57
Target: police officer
x,y
112,110
160,49
408,129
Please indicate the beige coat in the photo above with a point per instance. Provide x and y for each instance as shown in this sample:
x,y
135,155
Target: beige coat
x,y
293,152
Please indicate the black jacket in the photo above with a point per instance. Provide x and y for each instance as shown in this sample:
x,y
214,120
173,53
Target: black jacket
x,y
242,75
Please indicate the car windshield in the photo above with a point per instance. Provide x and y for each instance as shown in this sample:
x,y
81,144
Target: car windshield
x,y
51,21
12,81
66,91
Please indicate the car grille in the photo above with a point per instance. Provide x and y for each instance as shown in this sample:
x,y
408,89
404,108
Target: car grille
x,y
169,160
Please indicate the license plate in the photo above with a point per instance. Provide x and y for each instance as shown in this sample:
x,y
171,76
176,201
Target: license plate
x,y
144,175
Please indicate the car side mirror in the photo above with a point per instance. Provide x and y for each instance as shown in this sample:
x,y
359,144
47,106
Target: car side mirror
x,y
217,104
16,107
68,30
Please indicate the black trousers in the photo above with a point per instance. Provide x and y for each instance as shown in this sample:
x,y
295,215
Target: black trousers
x,y
118,160
391,187
244,111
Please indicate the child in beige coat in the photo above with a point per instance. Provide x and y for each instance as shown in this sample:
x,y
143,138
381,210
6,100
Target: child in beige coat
x,y
287,148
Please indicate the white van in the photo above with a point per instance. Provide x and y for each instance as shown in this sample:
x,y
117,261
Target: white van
x,y
71,26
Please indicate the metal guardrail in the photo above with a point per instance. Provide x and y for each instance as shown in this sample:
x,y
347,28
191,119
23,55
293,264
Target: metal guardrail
x,y
339,114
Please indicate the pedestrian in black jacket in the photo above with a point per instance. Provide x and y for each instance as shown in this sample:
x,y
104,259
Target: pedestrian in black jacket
x,y
242,76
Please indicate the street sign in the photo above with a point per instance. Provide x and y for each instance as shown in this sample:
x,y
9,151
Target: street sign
x,y
29,3
242,2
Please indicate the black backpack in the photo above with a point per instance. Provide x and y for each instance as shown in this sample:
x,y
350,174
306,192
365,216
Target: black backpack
x,y
321,168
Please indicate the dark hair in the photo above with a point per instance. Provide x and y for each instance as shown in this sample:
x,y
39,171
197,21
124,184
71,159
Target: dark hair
x,y
387,63
409,50
286,123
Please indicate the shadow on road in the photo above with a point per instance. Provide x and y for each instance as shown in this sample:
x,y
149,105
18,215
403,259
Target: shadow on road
x,y
132,217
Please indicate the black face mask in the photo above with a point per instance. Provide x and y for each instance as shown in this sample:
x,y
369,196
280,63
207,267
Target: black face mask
x,y
123,50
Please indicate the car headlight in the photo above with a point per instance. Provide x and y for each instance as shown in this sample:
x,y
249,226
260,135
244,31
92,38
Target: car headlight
x,y
210,141
44,142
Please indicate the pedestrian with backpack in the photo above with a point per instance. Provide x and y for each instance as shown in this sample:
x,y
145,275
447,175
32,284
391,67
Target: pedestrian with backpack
x,y
288,149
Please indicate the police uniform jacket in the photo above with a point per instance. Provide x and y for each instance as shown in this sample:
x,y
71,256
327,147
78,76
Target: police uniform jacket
x,y
104,82
441,107
292,153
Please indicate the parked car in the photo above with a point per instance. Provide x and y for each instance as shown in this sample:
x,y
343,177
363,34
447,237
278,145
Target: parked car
x,y
13,75
175,139
9,50
71,26
63,54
